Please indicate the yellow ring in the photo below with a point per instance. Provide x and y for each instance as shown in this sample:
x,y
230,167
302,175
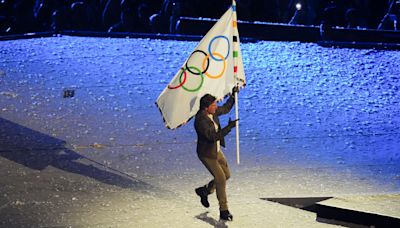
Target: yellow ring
x,y
204,66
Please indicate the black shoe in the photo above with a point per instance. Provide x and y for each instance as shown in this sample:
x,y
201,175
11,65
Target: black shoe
x,y
225,215
203,193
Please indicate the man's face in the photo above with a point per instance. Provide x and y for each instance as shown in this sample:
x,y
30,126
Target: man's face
x,y
212,108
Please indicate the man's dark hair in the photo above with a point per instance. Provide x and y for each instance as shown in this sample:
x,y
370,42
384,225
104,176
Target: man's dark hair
x,y
206,101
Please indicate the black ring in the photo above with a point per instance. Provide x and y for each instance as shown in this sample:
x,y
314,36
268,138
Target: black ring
x,y
196,73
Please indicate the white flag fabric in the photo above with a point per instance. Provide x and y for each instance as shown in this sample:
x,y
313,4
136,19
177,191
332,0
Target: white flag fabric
x,y
214,67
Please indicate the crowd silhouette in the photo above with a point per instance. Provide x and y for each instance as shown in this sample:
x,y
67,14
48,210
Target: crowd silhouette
x,y
160,16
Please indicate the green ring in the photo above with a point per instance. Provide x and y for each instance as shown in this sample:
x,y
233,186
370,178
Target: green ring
x,y
202,80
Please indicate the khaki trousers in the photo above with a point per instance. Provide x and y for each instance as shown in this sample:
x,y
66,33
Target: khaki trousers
x,y
221,173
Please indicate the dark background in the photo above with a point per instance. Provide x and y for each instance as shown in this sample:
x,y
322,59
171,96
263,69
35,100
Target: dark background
x,y
158,16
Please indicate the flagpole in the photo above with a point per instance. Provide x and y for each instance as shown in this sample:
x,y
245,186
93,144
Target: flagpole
x,y
237,128
236,84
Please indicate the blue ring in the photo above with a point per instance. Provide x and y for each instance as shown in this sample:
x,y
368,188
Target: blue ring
x,y
209,48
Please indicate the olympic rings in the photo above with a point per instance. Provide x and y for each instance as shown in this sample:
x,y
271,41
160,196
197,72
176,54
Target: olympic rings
x,y
210,45
205,66
222,72
195,89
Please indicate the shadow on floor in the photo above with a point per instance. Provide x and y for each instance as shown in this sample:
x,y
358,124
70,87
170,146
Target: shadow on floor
x,y
210,220
37,151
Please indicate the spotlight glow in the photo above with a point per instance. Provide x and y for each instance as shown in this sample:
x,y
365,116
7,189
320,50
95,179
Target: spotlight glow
x,y
298,6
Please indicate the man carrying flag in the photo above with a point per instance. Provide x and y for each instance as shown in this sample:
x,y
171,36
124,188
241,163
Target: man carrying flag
x,y
212,71
210,138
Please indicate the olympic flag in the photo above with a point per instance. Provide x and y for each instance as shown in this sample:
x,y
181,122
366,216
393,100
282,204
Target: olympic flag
x,y
215,67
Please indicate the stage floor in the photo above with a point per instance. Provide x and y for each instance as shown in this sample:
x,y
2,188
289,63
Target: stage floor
x,y
314,122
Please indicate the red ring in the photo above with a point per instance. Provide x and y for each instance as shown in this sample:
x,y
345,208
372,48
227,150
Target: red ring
x,y
183,82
